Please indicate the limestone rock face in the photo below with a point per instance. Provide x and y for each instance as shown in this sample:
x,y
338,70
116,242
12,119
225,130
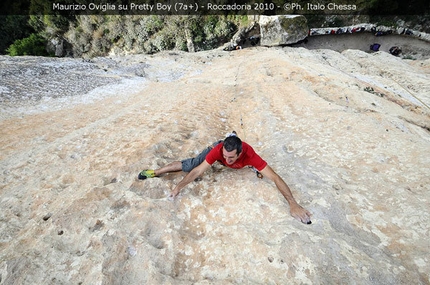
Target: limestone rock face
x,y
59,47
282,29
348,132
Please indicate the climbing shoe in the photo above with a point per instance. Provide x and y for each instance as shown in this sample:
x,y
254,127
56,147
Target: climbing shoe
x,y
146,174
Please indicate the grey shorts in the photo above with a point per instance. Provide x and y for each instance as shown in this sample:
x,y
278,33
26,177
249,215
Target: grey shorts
x,y
191,163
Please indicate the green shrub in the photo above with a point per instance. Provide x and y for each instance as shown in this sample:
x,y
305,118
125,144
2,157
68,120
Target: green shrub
x,y
13,28
33,45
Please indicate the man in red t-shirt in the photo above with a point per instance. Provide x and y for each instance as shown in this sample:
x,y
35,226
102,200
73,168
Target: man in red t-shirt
x,y
233,153
247,157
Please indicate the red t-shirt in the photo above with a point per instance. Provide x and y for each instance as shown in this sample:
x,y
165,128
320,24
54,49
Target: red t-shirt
x,y
248,157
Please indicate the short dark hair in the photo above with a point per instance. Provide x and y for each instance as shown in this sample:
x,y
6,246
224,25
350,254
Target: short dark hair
x,y
233,143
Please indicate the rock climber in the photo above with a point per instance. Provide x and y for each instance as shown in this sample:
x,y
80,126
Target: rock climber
x,y
233,153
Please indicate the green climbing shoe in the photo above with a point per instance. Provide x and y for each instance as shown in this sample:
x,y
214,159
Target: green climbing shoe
x,y
146,174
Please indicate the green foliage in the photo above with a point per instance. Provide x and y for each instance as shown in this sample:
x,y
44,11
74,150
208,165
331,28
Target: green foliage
x,y
208,32
46,23
32,45
242,20
98,35
13,28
